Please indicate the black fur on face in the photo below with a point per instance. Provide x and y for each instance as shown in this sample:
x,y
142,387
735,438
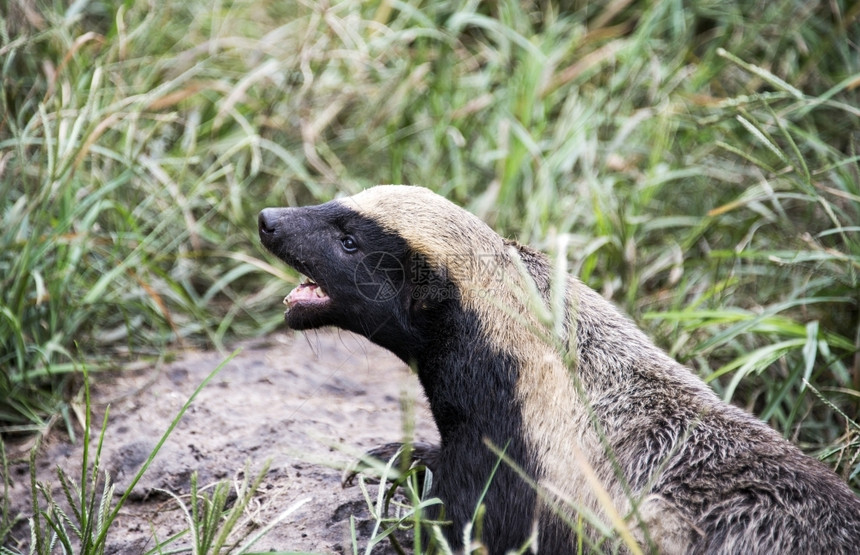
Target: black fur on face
x,y
362,278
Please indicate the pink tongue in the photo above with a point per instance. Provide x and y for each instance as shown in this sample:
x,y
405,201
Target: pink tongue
x,y
304,293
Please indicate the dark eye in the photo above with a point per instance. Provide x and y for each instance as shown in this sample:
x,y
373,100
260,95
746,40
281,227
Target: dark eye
x,y
349,244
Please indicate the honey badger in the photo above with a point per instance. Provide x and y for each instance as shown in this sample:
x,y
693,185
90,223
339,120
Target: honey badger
x,y
587,410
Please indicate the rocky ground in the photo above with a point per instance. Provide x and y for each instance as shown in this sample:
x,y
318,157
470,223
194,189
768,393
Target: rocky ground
x,y
307,402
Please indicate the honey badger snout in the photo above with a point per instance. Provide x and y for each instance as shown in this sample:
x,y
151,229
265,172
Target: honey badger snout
x,y
285,232
270,223
282,230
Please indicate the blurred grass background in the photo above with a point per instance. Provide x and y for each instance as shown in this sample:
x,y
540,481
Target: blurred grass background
x,y
699,158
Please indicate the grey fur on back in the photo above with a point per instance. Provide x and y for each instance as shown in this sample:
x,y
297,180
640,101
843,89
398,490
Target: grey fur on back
x,y
711,478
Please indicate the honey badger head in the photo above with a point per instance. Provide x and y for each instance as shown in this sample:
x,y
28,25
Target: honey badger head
x,y
379,263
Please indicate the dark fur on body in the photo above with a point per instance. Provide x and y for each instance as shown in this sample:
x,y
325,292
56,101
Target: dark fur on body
x,y
690,473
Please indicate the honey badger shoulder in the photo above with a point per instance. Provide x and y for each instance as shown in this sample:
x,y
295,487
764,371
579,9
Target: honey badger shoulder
x,y
435,285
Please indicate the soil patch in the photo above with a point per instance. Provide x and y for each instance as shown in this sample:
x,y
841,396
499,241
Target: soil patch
x,y
307,402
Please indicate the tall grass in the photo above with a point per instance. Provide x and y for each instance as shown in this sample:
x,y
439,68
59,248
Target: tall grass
x,y
700,159
121,233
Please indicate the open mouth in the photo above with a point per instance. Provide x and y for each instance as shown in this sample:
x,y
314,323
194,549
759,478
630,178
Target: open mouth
x,y
308,293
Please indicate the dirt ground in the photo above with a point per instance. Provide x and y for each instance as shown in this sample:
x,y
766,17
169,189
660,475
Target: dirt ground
x,y
308,402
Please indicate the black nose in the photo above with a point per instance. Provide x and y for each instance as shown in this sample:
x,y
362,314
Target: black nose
x,y
268,221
